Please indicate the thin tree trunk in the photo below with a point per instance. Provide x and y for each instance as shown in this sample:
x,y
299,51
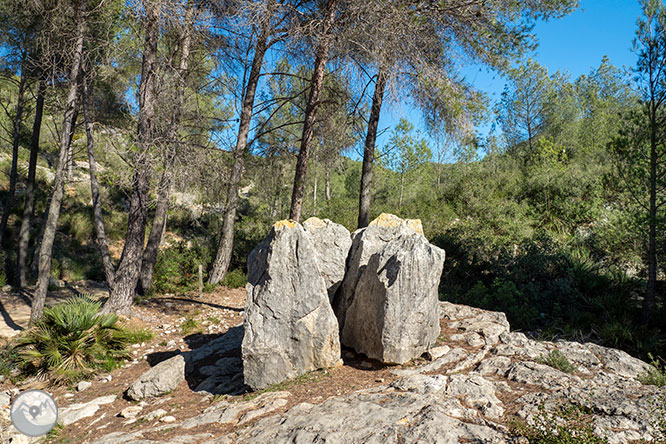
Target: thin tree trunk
x,y
277,177
34,265
9,201
225,247
70,153
276,205
51,224
402,187
317,83
98,218
328,184
529,135
157,230
648,303
369,151
314,196
29,205
35,258
158,226
127,274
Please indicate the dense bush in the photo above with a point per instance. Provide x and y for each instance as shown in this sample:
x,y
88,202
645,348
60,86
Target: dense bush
x,y
177,266
544,284
235,279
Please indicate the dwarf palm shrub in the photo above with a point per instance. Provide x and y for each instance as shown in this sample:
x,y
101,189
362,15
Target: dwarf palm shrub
x,y
72,340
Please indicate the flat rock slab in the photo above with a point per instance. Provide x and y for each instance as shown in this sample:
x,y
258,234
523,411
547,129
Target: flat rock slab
x,y
74,412
385,415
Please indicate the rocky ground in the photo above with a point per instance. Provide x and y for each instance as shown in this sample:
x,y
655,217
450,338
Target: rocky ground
x,y
479,379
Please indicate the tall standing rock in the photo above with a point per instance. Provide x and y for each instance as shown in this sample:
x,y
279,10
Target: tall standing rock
x,y
388,302
332,242
366,242
290,327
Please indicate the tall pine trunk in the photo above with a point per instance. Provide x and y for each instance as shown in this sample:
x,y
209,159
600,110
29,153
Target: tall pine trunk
x,y
225,247
29,203
98,218
9,201
158,226
369,151
127,275
316,85
51,224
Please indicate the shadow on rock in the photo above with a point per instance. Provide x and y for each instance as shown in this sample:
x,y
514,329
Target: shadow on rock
x,y
361,362
155,358
196,340
217,367
214,368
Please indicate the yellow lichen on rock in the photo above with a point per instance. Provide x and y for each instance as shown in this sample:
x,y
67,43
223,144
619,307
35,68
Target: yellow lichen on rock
x,y
388,220
314,222
285,223
415,224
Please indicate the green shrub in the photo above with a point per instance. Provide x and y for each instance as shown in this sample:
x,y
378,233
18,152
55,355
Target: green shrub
x,y
80,225
656,375
569,424
177,267
235,279
72,340
556,359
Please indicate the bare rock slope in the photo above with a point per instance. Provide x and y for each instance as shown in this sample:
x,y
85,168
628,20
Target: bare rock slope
x,y
484,376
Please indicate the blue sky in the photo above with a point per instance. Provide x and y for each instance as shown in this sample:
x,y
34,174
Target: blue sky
x,y
575,44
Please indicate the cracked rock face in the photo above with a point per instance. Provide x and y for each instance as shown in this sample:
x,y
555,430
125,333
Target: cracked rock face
x,y
388,305
331,242
290,327
416,410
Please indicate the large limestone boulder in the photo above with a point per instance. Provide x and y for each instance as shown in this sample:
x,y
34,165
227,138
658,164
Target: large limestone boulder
x,y
331,242
290,327
366,242
388,304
